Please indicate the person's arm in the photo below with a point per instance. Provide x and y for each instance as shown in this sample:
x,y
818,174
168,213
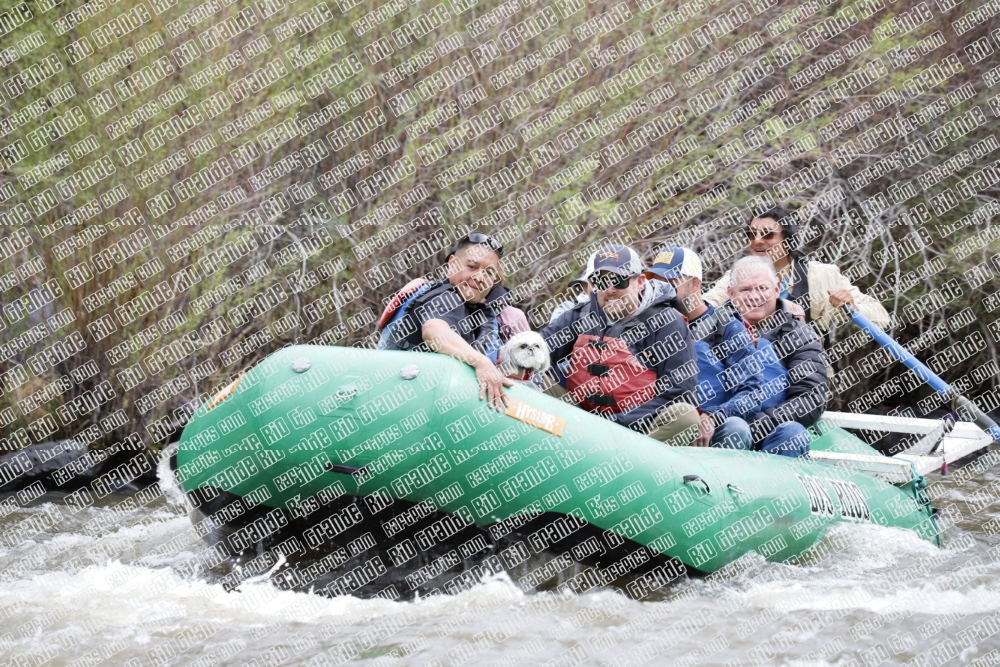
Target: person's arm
x,y
870,307
834,291
719,293
677,373
441,339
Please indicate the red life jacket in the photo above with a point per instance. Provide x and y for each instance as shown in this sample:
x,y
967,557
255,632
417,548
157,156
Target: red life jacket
x,y
397,301
604,375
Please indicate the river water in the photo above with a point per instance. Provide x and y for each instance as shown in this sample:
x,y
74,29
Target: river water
x,y
121,583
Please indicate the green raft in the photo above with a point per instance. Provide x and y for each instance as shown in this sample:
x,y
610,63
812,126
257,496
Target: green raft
x,y
383,471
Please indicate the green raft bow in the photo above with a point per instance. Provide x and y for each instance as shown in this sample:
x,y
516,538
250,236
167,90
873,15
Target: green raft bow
x,y
386,473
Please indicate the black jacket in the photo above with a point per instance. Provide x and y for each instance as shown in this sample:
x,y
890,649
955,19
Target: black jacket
x,y
801,353
649,333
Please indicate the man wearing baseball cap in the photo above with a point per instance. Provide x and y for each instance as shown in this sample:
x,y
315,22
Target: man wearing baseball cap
x,y
631,357
727,378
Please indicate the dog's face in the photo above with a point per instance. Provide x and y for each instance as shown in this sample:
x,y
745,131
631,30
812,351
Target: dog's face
x,y
526,350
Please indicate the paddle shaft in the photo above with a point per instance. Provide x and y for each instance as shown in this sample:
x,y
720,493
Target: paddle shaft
x,y
924,373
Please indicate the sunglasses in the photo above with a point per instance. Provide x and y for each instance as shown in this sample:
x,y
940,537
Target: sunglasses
x,y
480,239
604,281
768,234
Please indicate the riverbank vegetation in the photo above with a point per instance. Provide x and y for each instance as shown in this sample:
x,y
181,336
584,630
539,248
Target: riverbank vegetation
x,y
197,185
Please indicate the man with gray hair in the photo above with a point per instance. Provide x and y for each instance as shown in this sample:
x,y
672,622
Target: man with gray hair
x,y
793,369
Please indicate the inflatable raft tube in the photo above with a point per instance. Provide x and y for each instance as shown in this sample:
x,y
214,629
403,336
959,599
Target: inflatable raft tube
x,y
386,472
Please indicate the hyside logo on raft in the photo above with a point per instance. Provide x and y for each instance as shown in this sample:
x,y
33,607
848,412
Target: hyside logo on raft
x,y
851,500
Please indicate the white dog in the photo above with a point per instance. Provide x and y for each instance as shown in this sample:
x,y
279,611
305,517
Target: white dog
x,y
523,355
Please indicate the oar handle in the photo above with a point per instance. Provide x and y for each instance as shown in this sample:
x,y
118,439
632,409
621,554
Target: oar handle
x,y
980,418
924,373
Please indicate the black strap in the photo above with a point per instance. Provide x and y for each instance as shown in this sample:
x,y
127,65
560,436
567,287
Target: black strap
x,y
602,400
800,285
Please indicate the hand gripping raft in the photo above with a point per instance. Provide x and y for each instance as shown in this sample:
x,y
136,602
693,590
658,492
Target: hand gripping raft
x,y
385,473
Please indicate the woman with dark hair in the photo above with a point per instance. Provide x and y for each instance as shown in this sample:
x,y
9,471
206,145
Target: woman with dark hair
x,y
813,291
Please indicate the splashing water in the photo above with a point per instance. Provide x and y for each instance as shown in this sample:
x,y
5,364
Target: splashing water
x,y
121,583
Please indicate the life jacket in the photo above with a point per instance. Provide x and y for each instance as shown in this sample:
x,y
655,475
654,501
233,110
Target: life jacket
x,y
398,323
800,285
603,373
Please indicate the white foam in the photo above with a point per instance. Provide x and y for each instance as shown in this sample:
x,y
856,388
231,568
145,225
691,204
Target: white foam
x,y
168,481
853,578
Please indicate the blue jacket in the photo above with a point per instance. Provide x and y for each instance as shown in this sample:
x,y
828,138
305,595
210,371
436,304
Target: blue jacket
x,y
729,375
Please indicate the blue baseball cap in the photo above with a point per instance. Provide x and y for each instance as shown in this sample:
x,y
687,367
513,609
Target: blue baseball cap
x,y
674,262
616,258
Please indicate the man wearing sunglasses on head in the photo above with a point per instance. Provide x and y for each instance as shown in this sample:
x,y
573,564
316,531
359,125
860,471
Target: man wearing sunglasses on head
x,y
810,290
631,357
460,316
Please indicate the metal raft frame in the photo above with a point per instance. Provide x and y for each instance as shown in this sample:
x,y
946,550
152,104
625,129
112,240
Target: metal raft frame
x,y
942,444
